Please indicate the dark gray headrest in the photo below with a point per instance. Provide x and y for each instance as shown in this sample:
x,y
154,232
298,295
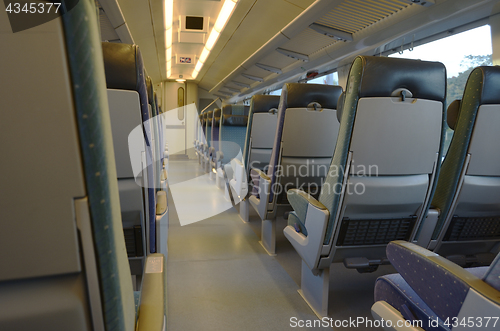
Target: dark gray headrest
x,y
216,116
452,113
301,95
263,103
149,85
234,120
235,110
383,75
491,83
340,106
123,66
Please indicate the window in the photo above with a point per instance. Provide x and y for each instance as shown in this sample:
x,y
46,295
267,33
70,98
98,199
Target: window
x,y
460,54
275,92
330,79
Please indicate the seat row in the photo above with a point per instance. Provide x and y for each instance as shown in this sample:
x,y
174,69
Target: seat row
x,y
358,169
65,255
140,152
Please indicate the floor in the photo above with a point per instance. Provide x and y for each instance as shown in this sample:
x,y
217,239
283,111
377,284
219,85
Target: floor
x,y
220,278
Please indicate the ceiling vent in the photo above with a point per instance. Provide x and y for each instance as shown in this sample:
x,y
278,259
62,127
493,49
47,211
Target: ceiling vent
x,y
193,29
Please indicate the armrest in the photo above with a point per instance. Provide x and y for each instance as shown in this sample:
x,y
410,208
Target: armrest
x,y
381,310
152,307
238,182
299,200
410,259
315,220
264,190
161,202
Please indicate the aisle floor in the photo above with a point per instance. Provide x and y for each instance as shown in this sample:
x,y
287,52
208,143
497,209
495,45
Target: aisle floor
x,y
219,276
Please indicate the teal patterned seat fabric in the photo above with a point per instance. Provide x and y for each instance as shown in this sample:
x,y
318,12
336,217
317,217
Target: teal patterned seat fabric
x,y
468,187
89,90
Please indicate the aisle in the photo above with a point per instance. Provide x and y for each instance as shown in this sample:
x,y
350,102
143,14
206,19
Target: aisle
x,y
219,277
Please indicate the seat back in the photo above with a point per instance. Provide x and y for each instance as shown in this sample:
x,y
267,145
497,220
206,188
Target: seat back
x,y
468,188
304,139
70,271
127,94
382,174
233,126
155,124
215,131
208,124
261,128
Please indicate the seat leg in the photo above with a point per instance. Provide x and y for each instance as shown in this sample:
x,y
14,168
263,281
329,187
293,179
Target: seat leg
x,y
314,289
268,236
244,211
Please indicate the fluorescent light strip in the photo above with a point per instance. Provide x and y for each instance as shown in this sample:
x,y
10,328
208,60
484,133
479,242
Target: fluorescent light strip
x,y
224,14
168,22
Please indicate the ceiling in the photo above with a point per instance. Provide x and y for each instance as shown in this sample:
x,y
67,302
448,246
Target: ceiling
x,y
259,29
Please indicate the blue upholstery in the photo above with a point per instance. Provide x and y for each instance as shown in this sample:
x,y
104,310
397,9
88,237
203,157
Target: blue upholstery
x,y
89,91
427,288
395,291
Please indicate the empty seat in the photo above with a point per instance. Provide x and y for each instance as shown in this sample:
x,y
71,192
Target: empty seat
x,y
208,135
71,270
468,189
258,146
436,292
130,112
261,130
214,150
381,178
303,147
233,126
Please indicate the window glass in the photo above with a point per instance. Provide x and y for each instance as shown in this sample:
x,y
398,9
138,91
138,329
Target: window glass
x,y
460,53
275,92
330,79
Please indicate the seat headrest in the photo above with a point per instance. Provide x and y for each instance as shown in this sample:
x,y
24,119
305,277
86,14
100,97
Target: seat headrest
x,y
235,110
491,82
452,113
340,106
123,66
210,114
234,120
156,102
383,75
149,85
263,103
216,116
300,95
